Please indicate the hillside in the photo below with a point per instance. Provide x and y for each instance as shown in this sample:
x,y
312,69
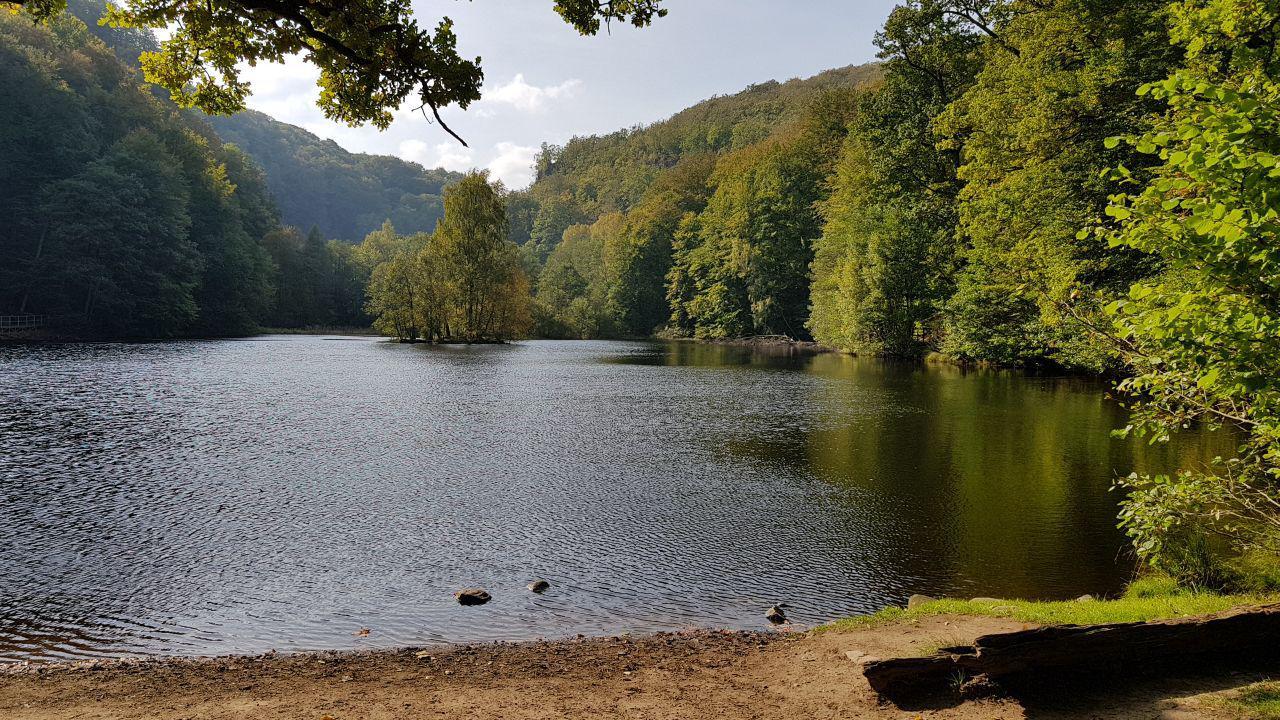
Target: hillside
x,y
605,173
122,217
345,194
314,182
610,225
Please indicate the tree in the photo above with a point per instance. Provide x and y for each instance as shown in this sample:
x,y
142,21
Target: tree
x,y
553,216
479,260
640,258
371,53
317,283
1203,337
1030,130
886,260
393,300
463,282
118,254
746,270
99,173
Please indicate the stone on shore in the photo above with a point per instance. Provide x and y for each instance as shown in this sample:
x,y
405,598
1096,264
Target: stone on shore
x,y
775,615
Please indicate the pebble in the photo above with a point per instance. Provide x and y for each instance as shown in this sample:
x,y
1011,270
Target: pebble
x,y
472,596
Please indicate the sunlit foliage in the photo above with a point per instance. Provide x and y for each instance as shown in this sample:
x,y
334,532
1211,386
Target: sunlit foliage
x,y
463,282
1202,338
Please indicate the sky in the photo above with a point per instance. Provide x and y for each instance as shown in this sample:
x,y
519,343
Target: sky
x,y
546,83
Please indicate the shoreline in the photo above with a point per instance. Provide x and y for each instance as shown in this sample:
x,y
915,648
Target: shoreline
x,y
726,675
437,651
763,343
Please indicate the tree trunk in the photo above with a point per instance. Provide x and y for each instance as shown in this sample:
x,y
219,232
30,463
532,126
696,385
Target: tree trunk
x,y
1054,654
31,274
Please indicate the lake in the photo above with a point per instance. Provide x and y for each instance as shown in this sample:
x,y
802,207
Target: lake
x,y
285,492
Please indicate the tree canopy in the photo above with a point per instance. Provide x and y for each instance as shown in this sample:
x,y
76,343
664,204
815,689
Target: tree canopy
x,y
462,282
1202,337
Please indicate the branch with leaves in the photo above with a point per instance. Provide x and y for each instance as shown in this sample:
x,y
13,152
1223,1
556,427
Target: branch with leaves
x,y
372,54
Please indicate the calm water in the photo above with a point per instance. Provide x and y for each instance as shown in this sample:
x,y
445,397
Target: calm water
x,y
280,492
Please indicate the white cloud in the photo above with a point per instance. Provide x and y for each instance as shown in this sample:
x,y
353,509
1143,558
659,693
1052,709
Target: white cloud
x,y
416,151
513,164
525,97
449,156
286,91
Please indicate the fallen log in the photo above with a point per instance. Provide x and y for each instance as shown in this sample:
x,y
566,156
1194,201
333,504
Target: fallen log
x,y
1062,652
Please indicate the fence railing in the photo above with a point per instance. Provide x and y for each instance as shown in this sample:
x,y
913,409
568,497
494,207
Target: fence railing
x,y
9,323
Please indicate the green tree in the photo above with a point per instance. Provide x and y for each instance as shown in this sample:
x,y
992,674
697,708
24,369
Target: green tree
x,y
554,216
69,107
118,255
393,301
575,286
640,258
1203,337
488,288
886,260
1031,130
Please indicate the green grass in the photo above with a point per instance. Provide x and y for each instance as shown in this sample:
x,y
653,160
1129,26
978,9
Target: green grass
x,y
1153,598
1260,701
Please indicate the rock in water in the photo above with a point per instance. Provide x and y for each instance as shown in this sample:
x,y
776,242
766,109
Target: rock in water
x,y
775,614
472,596
539,586
918,600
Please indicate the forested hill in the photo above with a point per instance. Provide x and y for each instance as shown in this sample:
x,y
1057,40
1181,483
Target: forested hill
x,y
122,216
602,225
314,182
591,176
346,195
930,203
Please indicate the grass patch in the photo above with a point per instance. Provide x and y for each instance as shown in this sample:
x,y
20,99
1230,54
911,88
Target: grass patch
x,y
1260,701
1257,571
1153,586
1147,599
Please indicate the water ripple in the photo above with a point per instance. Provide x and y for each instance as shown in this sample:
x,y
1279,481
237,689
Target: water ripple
x,y
239,496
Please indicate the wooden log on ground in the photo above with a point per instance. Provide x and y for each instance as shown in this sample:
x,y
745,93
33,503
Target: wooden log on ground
x,y
1051,653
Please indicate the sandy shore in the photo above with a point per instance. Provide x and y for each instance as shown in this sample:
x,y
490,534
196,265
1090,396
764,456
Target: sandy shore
x,y
721,675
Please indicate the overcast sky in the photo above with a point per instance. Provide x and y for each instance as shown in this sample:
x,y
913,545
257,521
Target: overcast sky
x,y
545,83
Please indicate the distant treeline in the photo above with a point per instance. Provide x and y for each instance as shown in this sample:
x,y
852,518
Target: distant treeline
x,y
928,203
123,216
316,183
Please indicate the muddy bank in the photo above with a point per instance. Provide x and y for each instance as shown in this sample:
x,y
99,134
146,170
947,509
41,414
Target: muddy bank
x,y
704,674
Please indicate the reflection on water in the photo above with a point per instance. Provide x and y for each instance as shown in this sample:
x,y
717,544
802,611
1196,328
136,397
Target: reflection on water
x,y
238,496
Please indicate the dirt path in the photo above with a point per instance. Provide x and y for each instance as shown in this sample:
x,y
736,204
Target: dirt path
x,y
725,676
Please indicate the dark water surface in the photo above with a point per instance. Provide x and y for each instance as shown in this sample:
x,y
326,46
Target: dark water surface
x,y
284,492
